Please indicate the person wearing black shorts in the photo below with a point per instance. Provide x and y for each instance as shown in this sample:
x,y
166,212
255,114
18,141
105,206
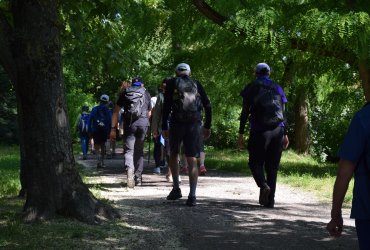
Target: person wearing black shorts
x,y
184,128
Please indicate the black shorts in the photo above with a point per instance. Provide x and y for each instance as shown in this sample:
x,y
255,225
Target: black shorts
x,y
100,138
188,134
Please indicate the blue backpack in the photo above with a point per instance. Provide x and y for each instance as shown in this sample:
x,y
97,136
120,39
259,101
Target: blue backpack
x,y
83,124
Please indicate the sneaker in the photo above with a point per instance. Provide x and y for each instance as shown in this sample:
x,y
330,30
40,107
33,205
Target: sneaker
x,y
270,204
202,170
138,181
191,201
174,194
169,178
264,195
130,178
157,170
84,157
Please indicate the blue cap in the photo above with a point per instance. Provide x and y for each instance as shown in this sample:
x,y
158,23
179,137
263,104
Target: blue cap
x,y
262,68
137,81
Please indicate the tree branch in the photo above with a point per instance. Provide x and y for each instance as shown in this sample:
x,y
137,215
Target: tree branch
x,y
6,58
210,13
341,54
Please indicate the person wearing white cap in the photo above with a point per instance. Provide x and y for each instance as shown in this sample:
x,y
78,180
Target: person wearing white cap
x,y
100,124
185,98
264,101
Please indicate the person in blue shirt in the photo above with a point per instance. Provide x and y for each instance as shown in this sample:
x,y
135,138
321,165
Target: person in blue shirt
x,y
100,124
354,155
266,140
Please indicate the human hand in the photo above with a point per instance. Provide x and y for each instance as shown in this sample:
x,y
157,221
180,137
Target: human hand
x,y
165,134
112,134
206,133
335,226
285,142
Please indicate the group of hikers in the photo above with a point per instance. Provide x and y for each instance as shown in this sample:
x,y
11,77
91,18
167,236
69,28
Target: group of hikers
x,y
178,127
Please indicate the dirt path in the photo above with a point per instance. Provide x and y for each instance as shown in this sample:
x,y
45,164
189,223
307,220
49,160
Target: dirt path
x,y
227,215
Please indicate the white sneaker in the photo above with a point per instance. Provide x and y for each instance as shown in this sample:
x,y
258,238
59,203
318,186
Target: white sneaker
x,y
157,170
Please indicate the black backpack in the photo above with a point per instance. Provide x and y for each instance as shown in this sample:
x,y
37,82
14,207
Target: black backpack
x,y
267,105
186,100
134,100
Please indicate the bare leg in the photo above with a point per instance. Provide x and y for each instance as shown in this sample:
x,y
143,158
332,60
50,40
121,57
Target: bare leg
x,y
193,175
174,167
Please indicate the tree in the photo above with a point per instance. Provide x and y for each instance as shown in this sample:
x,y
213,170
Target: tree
x,y
30,53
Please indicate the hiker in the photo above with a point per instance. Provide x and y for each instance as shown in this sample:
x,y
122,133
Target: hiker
x,y
184,98
156,122
82,128
137,108
264,104
354,155
100,123
110,145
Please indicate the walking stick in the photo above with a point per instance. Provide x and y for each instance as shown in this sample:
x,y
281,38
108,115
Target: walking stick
x,y
150,137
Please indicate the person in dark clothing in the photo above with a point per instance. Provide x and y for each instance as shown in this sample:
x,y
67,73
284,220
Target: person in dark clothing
x,y
184,98
134,129
82,127
266,142
100,123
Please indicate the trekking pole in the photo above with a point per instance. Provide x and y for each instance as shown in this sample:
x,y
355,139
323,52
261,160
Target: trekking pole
x,y
150,135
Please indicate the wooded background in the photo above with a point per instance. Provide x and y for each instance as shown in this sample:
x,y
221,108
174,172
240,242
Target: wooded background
x,y
319,52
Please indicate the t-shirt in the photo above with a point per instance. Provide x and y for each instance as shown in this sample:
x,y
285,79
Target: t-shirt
x,y
355,147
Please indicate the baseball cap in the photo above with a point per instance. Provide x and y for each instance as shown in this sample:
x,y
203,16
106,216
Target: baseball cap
x,y
137,81
183,68
104,98
262,68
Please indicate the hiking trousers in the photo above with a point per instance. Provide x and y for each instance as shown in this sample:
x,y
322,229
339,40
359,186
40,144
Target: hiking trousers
x,y
265,149
134,137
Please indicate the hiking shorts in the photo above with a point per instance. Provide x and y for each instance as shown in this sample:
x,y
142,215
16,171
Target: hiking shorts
x,y
188,134
100,138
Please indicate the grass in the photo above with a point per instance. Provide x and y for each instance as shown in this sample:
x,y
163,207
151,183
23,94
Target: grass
x,y
60,233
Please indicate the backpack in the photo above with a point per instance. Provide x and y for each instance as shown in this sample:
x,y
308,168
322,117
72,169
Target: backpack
x,y
134,100
266,106
83,124
101,123
186,100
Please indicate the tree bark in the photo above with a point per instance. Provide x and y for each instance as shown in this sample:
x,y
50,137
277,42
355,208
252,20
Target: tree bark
x,y
53,183
301,121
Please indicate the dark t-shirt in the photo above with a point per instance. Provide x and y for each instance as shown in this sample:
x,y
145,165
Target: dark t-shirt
x,y
143,120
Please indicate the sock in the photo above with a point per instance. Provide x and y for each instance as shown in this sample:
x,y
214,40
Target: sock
x,y
175,180
193,189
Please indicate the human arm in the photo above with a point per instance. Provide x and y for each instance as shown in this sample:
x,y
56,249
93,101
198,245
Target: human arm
x,y
344,174
114,125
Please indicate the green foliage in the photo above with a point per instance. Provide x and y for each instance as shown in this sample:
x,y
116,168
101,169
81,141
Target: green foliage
x,y
9,171
8,111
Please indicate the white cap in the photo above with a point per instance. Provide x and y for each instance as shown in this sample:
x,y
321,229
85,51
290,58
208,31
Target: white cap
x,y
183,69
104,98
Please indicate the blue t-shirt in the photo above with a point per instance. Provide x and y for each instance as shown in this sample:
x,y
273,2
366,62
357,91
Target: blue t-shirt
x,y
355,147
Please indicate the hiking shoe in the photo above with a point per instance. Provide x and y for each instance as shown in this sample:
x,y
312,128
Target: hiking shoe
x,y
157,170
138,181
174,194
264,194
130,178
191,201
202,170
84,157
270,204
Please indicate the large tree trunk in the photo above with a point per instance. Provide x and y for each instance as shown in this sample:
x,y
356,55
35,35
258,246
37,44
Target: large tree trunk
x,y
301,121
364,68
53,183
